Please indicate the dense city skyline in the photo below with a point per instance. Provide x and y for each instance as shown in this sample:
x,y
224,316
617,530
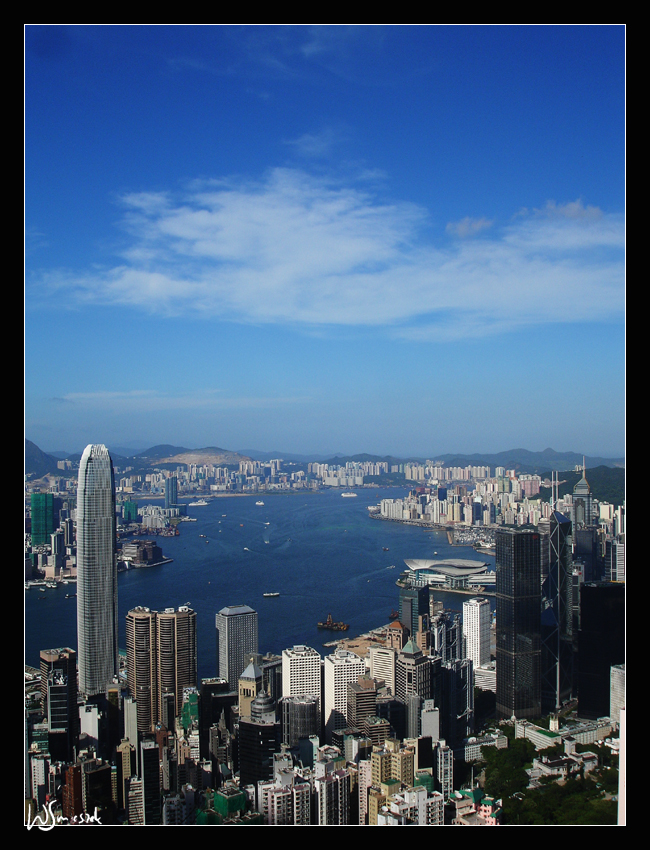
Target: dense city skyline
x,y
326,239
381,729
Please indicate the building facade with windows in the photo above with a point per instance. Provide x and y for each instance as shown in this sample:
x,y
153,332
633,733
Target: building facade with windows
x,y
518,622
96,572
237,639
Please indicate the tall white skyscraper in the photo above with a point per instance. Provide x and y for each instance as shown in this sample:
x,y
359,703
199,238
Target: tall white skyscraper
x,y
96,572
616,691
476,631
236,640
382,664
300,671
340,668
301,667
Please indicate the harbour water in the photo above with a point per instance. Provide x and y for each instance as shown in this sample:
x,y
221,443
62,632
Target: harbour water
x,y
320,552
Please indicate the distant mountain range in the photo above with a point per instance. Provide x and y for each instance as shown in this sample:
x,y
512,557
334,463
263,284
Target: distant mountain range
x,y
39,463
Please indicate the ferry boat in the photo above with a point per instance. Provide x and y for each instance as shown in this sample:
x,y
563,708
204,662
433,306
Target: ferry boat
x,y
349,495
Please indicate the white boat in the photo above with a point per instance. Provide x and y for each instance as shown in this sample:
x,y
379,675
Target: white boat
x,y
200,504
349,495
261,504
269,595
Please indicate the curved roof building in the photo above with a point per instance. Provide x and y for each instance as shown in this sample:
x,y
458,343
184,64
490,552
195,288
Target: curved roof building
x,y
459,572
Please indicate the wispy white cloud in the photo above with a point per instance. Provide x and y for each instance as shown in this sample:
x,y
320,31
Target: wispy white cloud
x,y
573,209
316,145
468,226
107,395
306,251
153,401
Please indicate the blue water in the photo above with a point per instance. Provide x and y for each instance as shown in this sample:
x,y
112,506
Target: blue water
x,y
320,551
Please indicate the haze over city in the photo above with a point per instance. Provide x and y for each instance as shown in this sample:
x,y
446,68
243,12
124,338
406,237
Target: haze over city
x,y
385,239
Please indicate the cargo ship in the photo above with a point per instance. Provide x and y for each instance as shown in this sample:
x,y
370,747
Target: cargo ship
x,y
332,626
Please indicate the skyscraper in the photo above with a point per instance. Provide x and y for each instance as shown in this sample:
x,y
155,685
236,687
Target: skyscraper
x,y
177,656
413,603
601,644
141,665
300,718
171,491
259,739
42,505
476,631
556,617
301,666
616,692
382,665
161,660
96,572
518,591
59,700
412,673
236,639
582,509
341,667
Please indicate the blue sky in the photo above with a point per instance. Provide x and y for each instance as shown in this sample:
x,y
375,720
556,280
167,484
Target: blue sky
x,y
404,240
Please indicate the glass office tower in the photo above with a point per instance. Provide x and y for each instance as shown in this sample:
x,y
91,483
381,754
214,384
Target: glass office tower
x,y
518,586
96,572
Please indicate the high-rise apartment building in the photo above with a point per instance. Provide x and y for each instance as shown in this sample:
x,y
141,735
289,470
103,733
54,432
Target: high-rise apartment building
x,y
236,640
141,665
177,655
518,598
96,572
476,631
161,661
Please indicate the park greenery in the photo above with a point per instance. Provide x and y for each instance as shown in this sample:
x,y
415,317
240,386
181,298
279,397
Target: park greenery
x,y
579,800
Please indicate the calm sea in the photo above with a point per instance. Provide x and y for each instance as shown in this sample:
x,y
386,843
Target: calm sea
x,y
320,551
